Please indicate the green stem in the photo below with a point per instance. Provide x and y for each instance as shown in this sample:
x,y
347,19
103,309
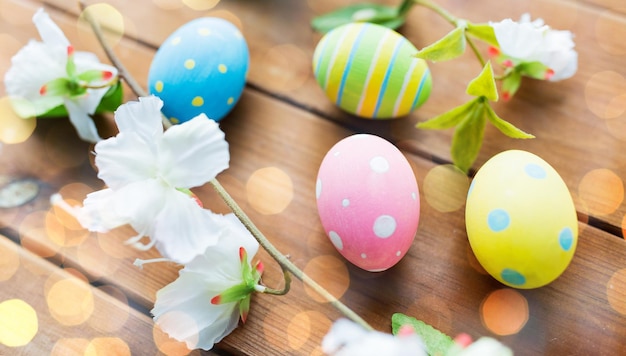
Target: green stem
x,y
282,260
454,21
439,10
123,72
286,265
475,50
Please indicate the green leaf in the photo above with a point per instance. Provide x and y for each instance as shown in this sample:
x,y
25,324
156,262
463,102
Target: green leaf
x,y
437,343
450,118
510,84
57,87
468,137
484,84
450,46
506,127
536,70
387,16
110,102
484,32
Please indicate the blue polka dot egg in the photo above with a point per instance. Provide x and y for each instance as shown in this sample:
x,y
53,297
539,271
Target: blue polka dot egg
x,y
200,68
521,220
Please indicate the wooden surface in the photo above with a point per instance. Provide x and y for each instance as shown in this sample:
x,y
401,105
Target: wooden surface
x,y
284,122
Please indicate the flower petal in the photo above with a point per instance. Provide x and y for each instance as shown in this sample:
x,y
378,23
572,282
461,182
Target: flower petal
x,y
81,120
33,66
117,168
86,61
193,153
232,235
141,203
183,229
193,319
50,33
142,118
97,213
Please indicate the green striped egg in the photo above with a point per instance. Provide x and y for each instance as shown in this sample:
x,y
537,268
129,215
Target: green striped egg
x,y
370,71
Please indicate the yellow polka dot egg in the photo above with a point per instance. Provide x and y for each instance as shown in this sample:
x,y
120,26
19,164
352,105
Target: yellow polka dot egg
x,y
521,220
200,68
371,71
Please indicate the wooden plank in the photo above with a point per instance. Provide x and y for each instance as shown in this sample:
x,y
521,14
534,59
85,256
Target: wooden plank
x,y
562,115
572,315
60,314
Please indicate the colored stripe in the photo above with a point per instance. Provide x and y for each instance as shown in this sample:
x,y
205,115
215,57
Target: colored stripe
x,y
333,58
419,91
387,73
355,48
320,55
372,83
401,101
337,67
405,84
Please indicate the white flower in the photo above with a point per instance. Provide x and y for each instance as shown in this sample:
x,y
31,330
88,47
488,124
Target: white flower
x,y
485,346
525,42
48,74
149,173
346,338
204,303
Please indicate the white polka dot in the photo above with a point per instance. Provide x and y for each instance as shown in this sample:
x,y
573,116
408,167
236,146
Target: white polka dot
x,y
336,153
379,164
336,240
398,253
345,202
414,196
363,255
318,188
384,226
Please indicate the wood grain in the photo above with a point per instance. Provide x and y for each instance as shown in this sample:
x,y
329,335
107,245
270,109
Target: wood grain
x,y
562,115
290,128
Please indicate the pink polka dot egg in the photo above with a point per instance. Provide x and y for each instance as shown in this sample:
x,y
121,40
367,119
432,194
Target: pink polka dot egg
x,y
200,68
521,221
368,201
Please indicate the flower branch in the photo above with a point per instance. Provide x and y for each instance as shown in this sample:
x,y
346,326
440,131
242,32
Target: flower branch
x,y
286,265
518,49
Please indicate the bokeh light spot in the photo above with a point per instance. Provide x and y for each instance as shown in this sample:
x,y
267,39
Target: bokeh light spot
x,y
69,346
605,94
14,129
9,260
107,346
331,273
62,235
616,291
445,188
110,19
269,190
19,323
70,301
504,311
33,236
168,345
274,66
201,5
602,191
299,328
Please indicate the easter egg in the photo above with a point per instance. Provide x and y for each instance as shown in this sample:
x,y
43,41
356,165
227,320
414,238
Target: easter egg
x,y
368,201
521,220
370,71
200,68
